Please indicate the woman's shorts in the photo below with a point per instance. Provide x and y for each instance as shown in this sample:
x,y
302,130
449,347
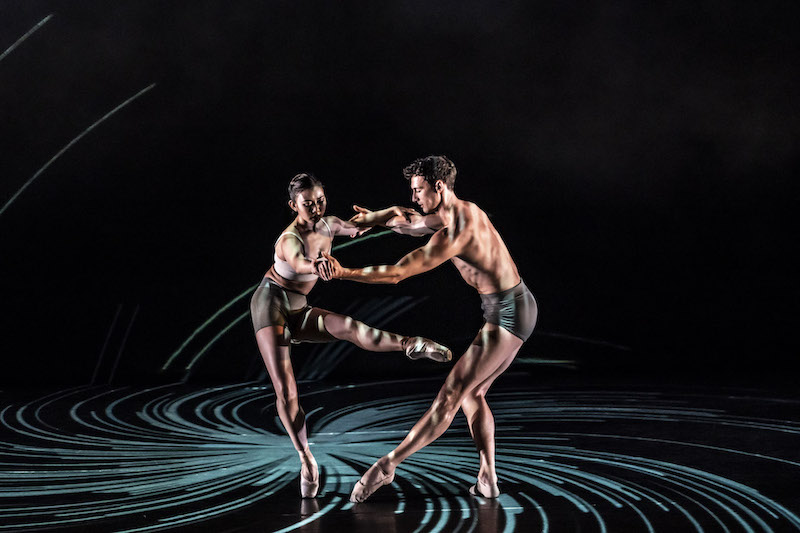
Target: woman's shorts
x,y
273,305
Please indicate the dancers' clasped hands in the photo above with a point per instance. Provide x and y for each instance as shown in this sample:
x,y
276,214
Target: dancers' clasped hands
x,y
327,267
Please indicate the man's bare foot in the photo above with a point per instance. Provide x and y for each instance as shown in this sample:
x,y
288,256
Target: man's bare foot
x,y
485,489
372,480
419,347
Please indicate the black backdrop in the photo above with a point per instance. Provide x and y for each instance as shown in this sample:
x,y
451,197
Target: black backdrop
x,y
637,159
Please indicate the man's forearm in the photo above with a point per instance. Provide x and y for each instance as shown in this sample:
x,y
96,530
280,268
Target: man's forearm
x,y
373,274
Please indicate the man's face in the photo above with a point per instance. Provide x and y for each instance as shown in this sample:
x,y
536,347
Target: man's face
x,y
310,204
424,195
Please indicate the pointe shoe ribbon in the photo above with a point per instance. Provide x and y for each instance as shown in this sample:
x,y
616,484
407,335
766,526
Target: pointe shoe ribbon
x,y
484,490
308,489
419,347
362,491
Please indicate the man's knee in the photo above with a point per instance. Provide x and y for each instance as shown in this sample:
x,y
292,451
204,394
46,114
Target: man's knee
x,y
476,396
450,397
473,402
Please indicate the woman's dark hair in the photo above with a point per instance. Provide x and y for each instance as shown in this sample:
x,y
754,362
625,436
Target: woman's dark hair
x,y
302,182
432,168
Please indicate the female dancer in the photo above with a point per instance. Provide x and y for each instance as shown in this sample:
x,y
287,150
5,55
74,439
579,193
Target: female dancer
x,y
282,315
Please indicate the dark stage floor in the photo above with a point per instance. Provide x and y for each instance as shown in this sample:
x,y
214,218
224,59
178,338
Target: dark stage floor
x,y
571,457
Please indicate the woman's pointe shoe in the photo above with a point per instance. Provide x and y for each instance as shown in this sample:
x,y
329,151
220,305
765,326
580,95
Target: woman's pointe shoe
x,y
484,489
420,347
362,491
308,489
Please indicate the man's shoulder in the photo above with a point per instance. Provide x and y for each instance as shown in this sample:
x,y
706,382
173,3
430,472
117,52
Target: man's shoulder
x,y
461,221
468,205
470,211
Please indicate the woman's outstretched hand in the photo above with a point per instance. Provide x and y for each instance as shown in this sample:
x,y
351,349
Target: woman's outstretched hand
x,y
363,216
405,212
364,219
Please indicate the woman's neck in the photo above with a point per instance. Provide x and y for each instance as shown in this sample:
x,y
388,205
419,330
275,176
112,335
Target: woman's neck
x,y
304,225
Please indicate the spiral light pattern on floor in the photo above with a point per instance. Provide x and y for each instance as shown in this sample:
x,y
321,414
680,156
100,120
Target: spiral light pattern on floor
x,y
159,458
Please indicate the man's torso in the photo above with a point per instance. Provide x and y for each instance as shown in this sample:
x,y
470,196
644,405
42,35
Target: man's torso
x,y
483,259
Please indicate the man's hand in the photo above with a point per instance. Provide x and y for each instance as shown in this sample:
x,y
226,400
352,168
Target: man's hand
x,y
335,269
322,268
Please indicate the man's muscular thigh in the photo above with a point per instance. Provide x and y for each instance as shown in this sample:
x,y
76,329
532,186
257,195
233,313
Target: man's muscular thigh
x,y
492,348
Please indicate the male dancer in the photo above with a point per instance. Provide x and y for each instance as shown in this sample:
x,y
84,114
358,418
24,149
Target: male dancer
x,y
463,234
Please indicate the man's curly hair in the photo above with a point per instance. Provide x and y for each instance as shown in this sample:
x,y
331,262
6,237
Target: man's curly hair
x,y
432,168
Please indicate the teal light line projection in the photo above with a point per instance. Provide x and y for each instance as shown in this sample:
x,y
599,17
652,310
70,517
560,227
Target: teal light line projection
x,y
362,238
73,142
222,332
608,460
27,34
207,323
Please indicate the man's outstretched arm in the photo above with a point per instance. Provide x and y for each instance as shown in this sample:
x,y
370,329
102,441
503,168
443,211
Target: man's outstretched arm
x,y
438,250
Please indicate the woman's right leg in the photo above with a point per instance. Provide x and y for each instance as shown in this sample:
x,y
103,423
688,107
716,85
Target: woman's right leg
x,y
275,353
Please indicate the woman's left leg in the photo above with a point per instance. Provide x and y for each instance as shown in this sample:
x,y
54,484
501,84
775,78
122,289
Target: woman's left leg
x,y
320,325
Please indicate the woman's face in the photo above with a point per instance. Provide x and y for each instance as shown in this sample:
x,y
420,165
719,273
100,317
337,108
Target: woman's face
x,y
309,204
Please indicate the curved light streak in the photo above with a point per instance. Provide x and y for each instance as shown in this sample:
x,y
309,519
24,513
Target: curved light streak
x,y
28,34
73,142
207,323
216,337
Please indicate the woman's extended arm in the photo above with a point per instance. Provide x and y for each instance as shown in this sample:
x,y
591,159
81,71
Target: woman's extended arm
x,y
398,219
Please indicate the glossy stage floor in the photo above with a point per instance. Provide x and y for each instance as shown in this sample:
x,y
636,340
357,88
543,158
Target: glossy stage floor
x,y
581,456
